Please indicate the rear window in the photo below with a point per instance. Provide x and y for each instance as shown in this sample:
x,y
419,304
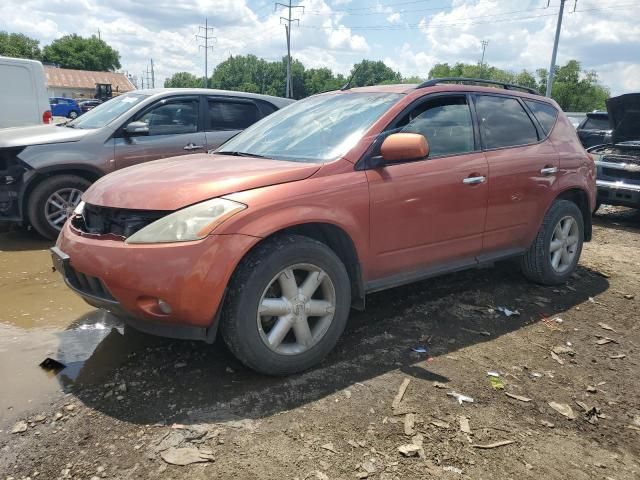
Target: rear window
x,y
226,115
596,123
545,113
504,123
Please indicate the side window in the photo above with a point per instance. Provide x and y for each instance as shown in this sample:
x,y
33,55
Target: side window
x,y
503,122
172,118
596,123
53,101
446,124
229,115
545,113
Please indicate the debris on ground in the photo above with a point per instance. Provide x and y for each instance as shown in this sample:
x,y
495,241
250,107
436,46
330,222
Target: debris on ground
x,y
488,446
409,424
606,327
452,469
186,456
464,424
563,409
409,450
617,356
398,398
420,349
517,397
20,427
329,446
495,381
439,385
440,424
51,364
605,340
508,312
460,397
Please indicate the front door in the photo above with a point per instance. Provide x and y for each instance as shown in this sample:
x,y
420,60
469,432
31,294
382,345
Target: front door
x,y
174,129
430,214
523,167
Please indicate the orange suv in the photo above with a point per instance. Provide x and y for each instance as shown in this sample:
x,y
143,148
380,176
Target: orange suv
x,y
276,235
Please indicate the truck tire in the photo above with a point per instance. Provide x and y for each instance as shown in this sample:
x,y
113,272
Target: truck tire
x,y
286,306
52,201
555,252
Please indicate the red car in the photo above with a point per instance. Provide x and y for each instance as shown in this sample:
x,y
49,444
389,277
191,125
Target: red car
x,y
274,237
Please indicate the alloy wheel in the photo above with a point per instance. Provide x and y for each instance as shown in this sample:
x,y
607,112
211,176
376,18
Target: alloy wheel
x,y
564,244
60,206
296,309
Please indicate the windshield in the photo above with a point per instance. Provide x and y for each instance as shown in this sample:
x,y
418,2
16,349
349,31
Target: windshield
x,y
316,129
107,112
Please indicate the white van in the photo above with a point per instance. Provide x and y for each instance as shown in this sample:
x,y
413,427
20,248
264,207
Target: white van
x,y
23,93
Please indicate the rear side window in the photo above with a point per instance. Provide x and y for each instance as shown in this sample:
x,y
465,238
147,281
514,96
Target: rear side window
x,y
231,115
446,124
545,113
596,123
504,122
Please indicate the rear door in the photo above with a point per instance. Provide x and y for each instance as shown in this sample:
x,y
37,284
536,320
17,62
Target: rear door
x,y
175,128
226,117
523,171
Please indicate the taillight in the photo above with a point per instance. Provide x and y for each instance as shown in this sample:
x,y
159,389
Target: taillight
x,y
46,116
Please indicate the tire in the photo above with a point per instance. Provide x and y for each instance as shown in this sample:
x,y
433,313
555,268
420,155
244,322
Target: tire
x,y
73,115
256,275
37,202
537,263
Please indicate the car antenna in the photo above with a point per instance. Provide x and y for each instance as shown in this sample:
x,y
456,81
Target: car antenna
x,y
347,85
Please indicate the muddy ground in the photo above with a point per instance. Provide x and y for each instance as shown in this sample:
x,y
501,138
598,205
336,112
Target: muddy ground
x,y
128,402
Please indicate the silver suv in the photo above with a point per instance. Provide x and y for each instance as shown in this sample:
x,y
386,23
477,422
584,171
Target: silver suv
x,y
45,169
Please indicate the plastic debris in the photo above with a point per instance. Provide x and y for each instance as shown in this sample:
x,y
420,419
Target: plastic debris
x,y
606,327
464,425
508,312
52,365
452,470
496,382
605,340
460,397
420,349
558,320
487,446
398,398
563,409
517,397
617,356
493,374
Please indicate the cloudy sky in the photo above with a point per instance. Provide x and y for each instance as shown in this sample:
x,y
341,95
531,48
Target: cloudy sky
x,y
410,36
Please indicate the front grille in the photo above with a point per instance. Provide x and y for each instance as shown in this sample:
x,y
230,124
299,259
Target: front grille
x,y
622,174
87,284
121,222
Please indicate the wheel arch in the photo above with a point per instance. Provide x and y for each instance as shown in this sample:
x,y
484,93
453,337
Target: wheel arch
x,y
338,240
581,199
87,172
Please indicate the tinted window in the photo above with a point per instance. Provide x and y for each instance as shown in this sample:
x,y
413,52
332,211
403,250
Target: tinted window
x,y
445,123
545,113
172,118
596,123
503,122
231,115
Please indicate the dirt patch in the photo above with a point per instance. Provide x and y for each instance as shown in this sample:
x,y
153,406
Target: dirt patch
x,y
569,406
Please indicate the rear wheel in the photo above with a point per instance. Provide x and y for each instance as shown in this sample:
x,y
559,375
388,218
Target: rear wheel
x,y
554,254
73,114
287,305
53,201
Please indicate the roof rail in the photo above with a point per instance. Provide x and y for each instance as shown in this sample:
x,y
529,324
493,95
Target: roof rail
x,y
462,80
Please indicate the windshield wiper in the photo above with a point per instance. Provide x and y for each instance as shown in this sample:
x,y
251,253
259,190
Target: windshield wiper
x,y
240,154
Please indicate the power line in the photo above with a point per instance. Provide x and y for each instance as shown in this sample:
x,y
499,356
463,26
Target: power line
x,y
206,47
287,27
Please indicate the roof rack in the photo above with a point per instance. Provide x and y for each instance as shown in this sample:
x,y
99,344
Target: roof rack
x,y
462,80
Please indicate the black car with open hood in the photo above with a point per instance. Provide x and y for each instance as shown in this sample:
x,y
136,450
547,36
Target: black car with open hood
x,y
618,162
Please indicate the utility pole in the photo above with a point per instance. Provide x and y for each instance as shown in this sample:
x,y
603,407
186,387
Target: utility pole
x,y
287,28
99,35
552,67
484,47
142,81
206,37
153,76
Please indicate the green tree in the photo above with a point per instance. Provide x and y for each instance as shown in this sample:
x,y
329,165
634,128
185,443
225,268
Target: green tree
x,y
74,51
184,80
19,46
370,72
576,90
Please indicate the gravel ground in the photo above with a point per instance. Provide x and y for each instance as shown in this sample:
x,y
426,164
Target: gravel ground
x,y
564,401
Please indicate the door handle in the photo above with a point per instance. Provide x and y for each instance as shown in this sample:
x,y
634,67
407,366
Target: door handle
x,y
548,170
474,180
192,146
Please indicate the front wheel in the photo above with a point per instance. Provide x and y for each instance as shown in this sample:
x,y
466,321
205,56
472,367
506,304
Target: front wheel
x,y
555,252
286,306
73,114
53,201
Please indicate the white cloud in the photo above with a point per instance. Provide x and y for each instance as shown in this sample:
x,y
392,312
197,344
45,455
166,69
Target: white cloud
x,y
394,18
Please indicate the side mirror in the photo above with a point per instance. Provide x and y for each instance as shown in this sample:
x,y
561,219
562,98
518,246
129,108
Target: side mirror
x,y
137,128
402,147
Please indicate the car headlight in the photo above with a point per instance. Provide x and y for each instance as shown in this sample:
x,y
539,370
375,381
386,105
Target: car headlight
x,y
191,223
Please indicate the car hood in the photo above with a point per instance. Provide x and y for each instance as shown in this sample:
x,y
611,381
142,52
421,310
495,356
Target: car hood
x,y
39,135
177,182
624,117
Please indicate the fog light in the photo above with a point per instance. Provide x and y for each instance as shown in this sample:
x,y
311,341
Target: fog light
x,y
164,307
